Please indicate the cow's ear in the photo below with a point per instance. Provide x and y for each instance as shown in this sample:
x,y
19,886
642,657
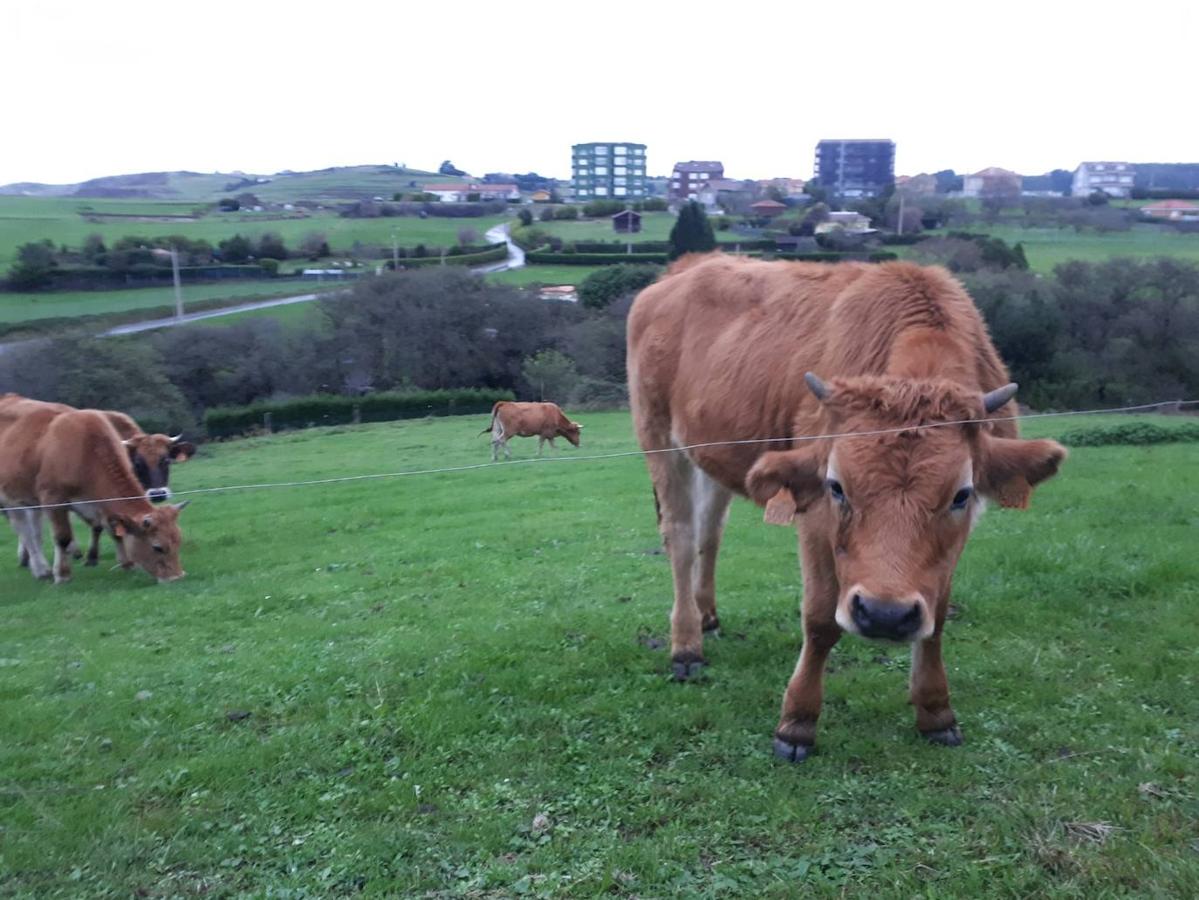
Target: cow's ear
x,y
119,526
183,451
785,482
1011,468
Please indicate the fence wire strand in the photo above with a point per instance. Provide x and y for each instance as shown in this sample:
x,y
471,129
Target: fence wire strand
x,y
374,476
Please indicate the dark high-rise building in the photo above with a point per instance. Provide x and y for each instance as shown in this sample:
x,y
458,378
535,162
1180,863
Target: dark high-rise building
x,y
855,168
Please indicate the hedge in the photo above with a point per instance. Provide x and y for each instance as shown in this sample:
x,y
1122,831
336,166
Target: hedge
x,y
335,409
592,259
750,243
495,254
1131,433
901,240
104,278
831,256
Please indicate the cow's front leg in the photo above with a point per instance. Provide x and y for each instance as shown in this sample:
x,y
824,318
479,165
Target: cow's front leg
x,y
796,732
93,550
60,524
930,693
540,444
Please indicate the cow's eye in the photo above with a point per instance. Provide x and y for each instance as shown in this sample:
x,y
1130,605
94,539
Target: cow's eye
x,y
158,548
835,489
961,498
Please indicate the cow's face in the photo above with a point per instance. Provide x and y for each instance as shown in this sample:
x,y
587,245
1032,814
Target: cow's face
x,y
571,432
895,509
152,456
152,540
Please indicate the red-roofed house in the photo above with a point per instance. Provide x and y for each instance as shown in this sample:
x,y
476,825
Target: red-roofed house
x,y
767,208
992,182
1175,210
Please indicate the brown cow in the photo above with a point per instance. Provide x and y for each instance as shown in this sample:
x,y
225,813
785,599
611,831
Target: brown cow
x,y
543,420
76,459
150,454
718,351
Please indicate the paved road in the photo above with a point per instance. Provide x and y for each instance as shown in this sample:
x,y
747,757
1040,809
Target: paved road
x,y
516,256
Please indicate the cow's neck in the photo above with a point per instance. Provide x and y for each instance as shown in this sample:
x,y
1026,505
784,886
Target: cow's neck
x,y
932,353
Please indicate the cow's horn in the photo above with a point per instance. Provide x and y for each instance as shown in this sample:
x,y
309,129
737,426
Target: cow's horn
x,y
128,442
992,400
179,507
817,387
175,439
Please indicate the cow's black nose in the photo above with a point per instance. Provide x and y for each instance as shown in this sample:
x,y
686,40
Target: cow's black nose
x,y
157,495
896,620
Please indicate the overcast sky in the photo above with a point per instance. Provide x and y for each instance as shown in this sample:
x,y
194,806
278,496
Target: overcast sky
x,y
96,89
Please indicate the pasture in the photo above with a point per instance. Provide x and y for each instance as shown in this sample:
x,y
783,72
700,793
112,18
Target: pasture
x,y
527,275
455,685
24,219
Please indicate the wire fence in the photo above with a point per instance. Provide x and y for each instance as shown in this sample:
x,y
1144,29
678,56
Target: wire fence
x,y
375,476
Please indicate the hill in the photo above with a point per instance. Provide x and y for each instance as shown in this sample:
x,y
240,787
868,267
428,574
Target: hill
x,y
334,183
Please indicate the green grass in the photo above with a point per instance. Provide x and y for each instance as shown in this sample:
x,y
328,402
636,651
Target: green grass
x,y
543,275
28,307
379,685
1047,247
24,219
655,226
292,315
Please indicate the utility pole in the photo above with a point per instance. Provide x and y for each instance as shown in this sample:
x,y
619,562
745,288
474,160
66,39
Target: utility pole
x,y
395,253
178,287
899,224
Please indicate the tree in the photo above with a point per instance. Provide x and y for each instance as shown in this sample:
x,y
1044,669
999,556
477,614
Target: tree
x,y
817,213
467,236
236,249
314,245
35,262
94,250
448,168
526,217
270,246
816,191
692,232
229,204
550,375
948,181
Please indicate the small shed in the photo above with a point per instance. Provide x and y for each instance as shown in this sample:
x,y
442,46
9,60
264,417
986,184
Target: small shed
x,y
767,208
626,222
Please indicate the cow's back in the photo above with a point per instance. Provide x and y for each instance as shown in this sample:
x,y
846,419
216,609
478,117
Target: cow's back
x,y
81,453
719,348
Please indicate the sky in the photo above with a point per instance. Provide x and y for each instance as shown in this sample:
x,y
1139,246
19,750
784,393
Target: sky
x,y
259,86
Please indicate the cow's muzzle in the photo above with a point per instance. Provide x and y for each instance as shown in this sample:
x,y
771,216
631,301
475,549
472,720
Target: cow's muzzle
x,y
158,495
892,620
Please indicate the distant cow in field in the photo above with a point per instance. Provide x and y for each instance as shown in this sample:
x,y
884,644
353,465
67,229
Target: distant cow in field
x,y
718,351
545,421
29,454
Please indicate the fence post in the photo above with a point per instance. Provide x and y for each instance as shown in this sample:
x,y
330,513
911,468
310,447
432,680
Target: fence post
x,y
266,422
357,417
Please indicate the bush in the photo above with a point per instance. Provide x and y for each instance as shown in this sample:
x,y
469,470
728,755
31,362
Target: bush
x,y
269,266
337,409
566,212
600,288
654,204
1131,434
595,393
596,208
549,257
525,216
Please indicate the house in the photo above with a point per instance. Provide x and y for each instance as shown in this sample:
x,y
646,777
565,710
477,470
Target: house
x,y
1112,178
789,187
689,178
767,208
1174,210
459,191
626,222
726,194
855,168
921,185
852,222
565,292
992,182
541,197
608,169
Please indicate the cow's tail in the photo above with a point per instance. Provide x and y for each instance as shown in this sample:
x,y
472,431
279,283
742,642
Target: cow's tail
x,y
490,425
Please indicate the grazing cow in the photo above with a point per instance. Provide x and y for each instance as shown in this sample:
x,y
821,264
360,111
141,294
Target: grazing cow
x,y
718,351
77,459
150,454
543,420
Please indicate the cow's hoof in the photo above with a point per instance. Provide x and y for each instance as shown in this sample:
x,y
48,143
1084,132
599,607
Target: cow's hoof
x,y
795,753
686,666
91,561
946,737
711,622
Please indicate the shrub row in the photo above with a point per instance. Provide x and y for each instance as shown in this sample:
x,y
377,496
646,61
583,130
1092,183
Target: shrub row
x,y
1131,433
335,409
100,277
496,253
903,240
592,259
830,256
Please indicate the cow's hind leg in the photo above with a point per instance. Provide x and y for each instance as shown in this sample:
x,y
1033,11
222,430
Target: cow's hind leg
x,y
93,550
28,523
674,478
711,510
930,693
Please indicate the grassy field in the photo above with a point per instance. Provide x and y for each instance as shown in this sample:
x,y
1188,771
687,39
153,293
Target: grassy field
x,y
1046,247
24,219
655,226
29,307
453,685
543,275
292,315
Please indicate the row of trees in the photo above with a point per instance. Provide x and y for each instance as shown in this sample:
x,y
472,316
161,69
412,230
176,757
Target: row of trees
x,y
1094,334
